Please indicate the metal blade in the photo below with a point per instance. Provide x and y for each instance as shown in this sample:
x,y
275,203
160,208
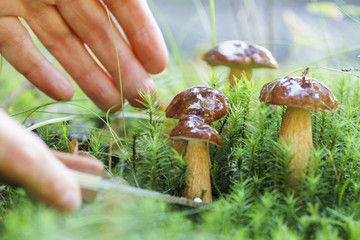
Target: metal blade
x,y
96,183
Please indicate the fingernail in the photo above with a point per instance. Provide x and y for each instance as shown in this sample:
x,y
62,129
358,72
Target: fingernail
x,y
71,200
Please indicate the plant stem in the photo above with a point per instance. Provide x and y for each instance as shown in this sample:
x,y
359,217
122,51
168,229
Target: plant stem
x,y
134,153
213,23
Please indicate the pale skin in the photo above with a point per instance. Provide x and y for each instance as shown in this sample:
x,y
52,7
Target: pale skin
x,y
63,26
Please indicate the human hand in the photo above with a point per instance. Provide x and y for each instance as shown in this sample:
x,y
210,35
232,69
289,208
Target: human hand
x,y
64,27
26,161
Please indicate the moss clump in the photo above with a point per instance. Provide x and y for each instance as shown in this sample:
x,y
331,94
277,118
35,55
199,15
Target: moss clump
x,y
253,198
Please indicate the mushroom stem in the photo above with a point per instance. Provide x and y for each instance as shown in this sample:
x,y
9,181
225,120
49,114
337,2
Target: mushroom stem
x,y
180,146
238,73
296,131
198,182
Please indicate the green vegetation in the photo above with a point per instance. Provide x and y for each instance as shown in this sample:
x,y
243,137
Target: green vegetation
x,y
253,197
248,202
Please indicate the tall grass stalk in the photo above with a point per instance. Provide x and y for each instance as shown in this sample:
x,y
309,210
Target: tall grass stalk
x,y
213,22
117,140
119,70
348,15
1,64
31,111
173,46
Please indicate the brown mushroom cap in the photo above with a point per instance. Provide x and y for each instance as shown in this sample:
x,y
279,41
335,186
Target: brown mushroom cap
x,y
240,54
301,92
191,129
202,102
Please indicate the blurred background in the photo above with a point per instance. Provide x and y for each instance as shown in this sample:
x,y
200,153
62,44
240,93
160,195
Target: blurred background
x,y
299,30
320,34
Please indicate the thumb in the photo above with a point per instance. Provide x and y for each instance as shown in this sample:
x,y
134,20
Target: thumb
x,y
26,161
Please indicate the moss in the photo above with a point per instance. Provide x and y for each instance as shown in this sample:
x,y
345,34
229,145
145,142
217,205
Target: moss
x,y
253,197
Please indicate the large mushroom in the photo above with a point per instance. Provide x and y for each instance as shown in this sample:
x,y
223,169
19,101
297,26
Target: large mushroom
x,y
241,57
195,108
300,95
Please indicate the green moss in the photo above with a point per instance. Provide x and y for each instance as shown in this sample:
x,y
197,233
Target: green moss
x,y
249,203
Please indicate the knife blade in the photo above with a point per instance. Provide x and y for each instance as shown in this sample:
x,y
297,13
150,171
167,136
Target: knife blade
x,y
89,173
97,184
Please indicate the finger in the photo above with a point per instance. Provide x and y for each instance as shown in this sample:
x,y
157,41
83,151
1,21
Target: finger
x,y
18,49
83,16
142,31
81,163
66,47
11,8
25,160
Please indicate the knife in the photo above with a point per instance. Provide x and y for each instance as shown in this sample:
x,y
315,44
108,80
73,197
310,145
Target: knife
x,y
99,184
88,171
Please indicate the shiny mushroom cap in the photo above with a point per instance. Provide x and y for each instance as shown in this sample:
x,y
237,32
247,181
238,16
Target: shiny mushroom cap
x,y
301,92
240,54
201,102
192,129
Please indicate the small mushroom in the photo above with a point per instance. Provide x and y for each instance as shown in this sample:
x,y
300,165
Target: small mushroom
x,y
241,57
300,95
195,107
198,136
207,103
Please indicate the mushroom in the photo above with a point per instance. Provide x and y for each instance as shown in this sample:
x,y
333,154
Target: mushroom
x,y
200,101
205,102
195,108
241,57
198,136
300,95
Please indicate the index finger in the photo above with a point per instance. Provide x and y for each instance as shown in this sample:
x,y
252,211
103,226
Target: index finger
x,y
142,31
